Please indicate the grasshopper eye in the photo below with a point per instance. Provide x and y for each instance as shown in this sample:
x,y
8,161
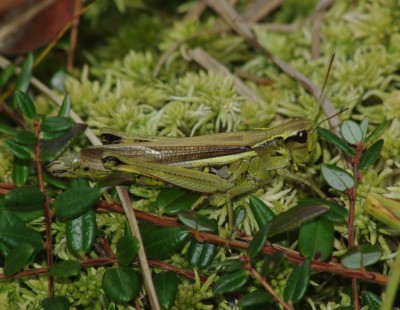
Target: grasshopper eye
x,y
109,138
300,137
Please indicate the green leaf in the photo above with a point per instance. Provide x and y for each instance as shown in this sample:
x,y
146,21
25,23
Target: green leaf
x,y
24,103
272,262
56,124
294,217
21,170
26,198
65,108
316,239
163,242
231,282
351,132
201,255
18,150
121,284
10,131
81,232
364,127
258,242
371,300
56,303
336,214
258,299
75,202
262,213
25,138
336,177
297,283
239,215
24,77
166,286
55,148
65,269
369,157
197,221
335,140
172,200
18,257
361,256
6,74
376,132
127,249
14,232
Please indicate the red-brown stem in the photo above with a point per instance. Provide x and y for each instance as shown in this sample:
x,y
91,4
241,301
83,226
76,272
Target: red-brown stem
x,y
47,212
74,35
352,207
291,255
265,284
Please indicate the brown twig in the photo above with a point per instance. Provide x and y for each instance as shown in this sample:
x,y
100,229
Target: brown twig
x,y
253,272
47,212
292,256
317,18
74,35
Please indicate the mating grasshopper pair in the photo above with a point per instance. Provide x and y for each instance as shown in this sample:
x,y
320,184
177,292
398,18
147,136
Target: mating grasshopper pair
x,y
233,162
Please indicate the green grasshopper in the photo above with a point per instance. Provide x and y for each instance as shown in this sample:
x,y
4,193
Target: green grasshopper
x,y
232,162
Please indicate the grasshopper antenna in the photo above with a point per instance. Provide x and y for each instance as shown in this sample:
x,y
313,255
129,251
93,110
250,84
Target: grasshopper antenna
x,y
322,95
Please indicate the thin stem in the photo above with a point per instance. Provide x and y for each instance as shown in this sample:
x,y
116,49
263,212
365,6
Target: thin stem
x,y
265,284
47,212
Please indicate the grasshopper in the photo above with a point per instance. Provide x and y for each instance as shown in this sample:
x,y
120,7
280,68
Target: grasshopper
x,y
233,163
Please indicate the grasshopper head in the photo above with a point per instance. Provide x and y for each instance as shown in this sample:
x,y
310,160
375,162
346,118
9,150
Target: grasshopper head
x,y
300,140
66,166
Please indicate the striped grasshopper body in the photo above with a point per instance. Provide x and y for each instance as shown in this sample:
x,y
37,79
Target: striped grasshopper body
x,y
234,162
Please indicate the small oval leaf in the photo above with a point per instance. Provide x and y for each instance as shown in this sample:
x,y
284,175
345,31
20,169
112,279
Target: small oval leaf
x,y
6,74
337,178
56,124
298,282
364,127
371,300
24,77
24,103
121,284
25,138
56,303
231,282
361,256
201,255
172,200
21,169
166,286
163,242
26,198
351,132
65,108
19,257
21,151
369,157
127,249
65,269
294,217
258,299
335,140
262,213
197,221
75,202
258,242
316,239
336,214
81,232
